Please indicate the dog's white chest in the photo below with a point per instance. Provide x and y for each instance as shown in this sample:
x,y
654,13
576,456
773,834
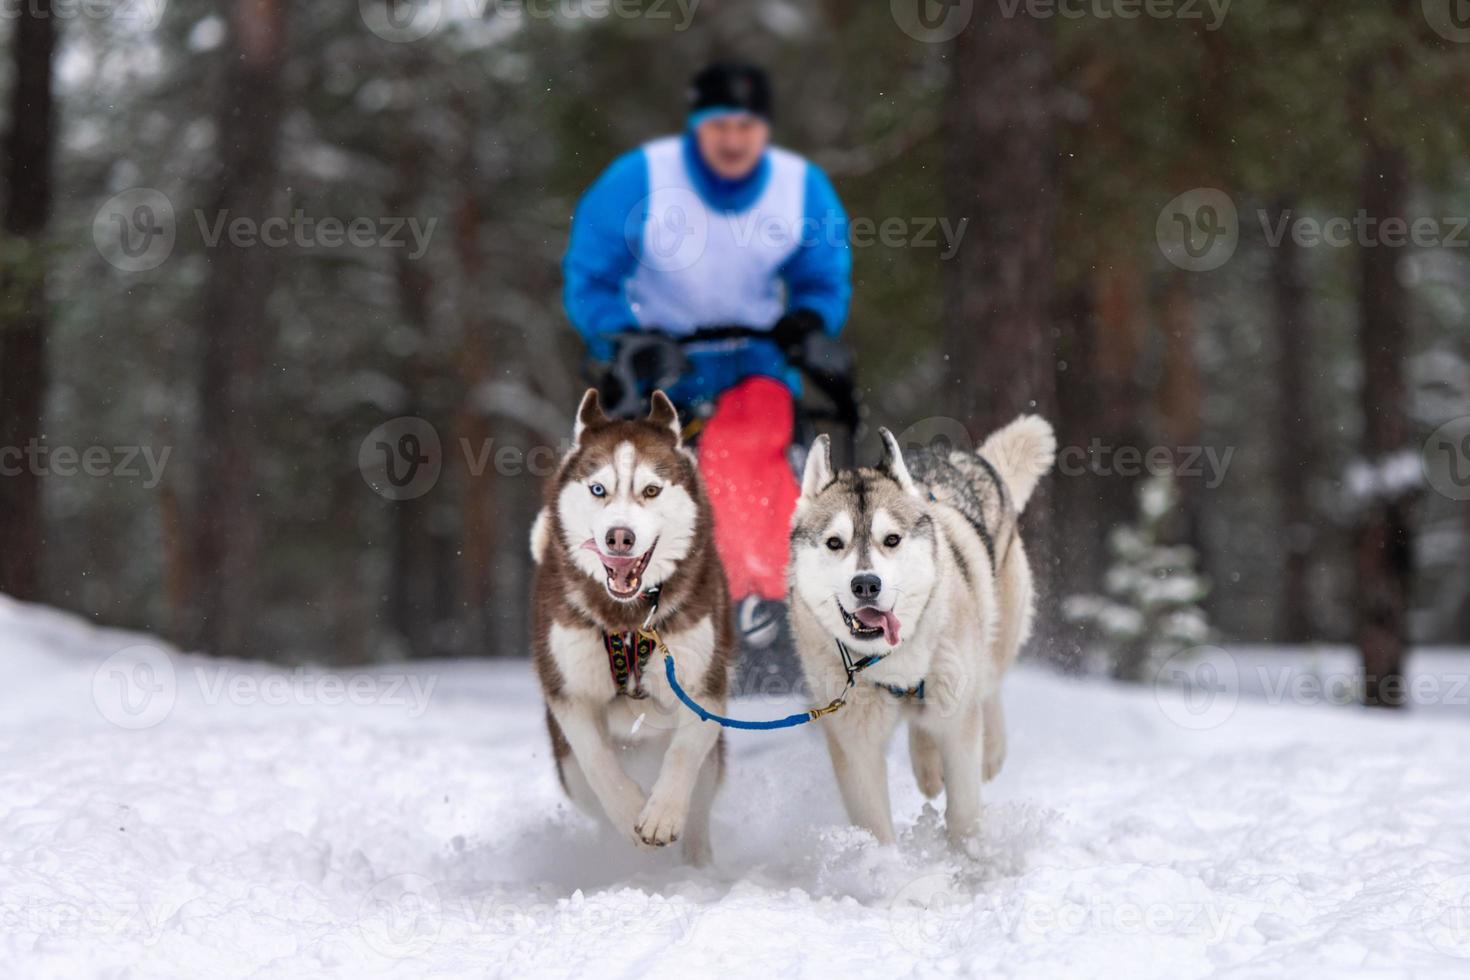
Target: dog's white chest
x,y
589,670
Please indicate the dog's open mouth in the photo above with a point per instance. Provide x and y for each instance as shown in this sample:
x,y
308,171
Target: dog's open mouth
x,y
624,572
870,622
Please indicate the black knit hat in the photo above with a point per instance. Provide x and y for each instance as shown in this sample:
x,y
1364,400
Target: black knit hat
x,y
743,88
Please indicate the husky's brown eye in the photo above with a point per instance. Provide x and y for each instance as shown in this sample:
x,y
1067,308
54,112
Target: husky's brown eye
x,y
834,544
891,541
652,490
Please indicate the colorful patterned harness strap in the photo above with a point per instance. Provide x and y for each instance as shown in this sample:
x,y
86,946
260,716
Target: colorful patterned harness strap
x,y
627,656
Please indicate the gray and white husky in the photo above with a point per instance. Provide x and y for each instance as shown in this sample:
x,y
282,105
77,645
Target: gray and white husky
x,y
625,540
918,562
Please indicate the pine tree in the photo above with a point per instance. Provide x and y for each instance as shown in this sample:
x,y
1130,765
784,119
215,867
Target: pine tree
x,y
1150,610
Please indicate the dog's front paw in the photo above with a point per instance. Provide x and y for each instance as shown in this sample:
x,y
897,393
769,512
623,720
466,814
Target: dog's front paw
x,y
623,814
661,822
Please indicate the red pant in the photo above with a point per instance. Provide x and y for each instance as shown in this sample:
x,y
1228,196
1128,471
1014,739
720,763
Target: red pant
x,y
742,454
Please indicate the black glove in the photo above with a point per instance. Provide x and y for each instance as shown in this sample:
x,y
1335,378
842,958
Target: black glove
x,y
642,361
792,330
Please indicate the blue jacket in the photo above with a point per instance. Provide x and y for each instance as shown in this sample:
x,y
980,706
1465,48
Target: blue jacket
x,y
660,241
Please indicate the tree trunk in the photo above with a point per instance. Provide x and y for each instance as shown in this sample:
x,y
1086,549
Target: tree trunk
x,y
415,591
479,492
1296,446
1383,549
237,337
1080,527
1001,163
1180,396
1001,175
23,312
1122,397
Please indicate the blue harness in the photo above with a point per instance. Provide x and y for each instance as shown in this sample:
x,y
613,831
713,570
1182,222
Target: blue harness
x,y
852,667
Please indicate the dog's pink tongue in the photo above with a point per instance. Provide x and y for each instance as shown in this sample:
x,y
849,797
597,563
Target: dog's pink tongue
x,y
621,566
874,618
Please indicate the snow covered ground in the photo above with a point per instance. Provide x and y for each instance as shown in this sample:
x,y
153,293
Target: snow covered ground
x,y
163,816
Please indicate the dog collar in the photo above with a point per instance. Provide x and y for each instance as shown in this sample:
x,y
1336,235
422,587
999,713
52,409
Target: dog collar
x,y
916,692
854,668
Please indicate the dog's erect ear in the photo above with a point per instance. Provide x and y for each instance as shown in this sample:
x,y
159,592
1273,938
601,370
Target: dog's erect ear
x,y
894,465
818,471
663,413
589,415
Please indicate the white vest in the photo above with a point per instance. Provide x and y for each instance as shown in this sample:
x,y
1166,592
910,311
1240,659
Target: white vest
x,y
701,267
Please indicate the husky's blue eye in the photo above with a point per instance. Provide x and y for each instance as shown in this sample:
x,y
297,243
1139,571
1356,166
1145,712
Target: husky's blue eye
x,y
598,490
834,544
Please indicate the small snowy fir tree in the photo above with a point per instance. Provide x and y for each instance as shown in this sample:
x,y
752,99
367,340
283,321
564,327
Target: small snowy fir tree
x,y
1151,607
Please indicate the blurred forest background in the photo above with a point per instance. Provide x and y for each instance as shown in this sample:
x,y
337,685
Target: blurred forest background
x,y
1066,148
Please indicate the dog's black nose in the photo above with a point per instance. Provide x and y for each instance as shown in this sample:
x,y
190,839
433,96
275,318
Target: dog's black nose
x,y
620,541
866,586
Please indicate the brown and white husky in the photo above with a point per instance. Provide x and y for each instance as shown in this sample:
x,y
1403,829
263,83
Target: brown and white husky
x,y
624,539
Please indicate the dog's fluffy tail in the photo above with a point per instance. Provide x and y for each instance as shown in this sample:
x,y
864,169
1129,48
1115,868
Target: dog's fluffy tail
x,y
1022,453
